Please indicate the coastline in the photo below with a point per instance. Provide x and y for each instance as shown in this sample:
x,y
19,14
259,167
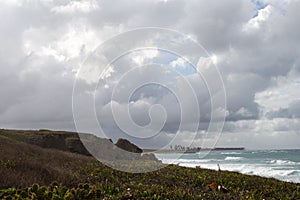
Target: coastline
x,y
34,172
171,151
279,164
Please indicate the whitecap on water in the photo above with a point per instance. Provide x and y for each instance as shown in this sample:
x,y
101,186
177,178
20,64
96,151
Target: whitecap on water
x,y
233,158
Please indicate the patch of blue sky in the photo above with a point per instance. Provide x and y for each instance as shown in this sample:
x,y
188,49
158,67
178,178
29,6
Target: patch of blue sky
x,y
175,62
278,4
258,6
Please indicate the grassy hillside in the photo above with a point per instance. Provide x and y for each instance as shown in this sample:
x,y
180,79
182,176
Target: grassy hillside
x,y
61,140
22,165
30,171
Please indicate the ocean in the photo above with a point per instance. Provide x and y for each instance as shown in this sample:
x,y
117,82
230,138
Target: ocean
x,y
280,164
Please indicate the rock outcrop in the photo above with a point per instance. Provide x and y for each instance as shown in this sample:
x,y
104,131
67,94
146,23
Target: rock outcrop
x,y
128,146
85,144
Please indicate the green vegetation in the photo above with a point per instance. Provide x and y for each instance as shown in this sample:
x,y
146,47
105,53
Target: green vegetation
x,y
61,140
32,172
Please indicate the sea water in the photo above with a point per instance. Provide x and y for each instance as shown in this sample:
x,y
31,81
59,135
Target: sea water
x,y
280,164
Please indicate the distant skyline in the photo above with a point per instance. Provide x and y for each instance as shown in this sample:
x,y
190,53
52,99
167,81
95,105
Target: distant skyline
x,y
253,43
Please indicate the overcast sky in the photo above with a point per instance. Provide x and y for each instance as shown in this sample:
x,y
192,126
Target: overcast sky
x,y
254,44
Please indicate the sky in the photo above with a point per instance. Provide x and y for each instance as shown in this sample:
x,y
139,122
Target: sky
x,y
248,62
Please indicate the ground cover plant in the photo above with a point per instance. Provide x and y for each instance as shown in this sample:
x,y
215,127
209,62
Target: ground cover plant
x,y
31,172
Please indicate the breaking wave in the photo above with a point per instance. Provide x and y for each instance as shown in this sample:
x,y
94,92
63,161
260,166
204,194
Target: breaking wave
x,y
284,167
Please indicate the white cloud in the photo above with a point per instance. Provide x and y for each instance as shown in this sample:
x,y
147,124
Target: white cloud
x,y
284,92
244,112
45,43
179,62
12,2
140,57
72,7
258,21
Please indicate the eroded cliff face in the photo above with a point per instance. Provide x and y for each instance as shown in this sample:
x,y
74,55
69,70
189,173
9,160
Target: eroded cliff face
x,y
128,146
84,144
